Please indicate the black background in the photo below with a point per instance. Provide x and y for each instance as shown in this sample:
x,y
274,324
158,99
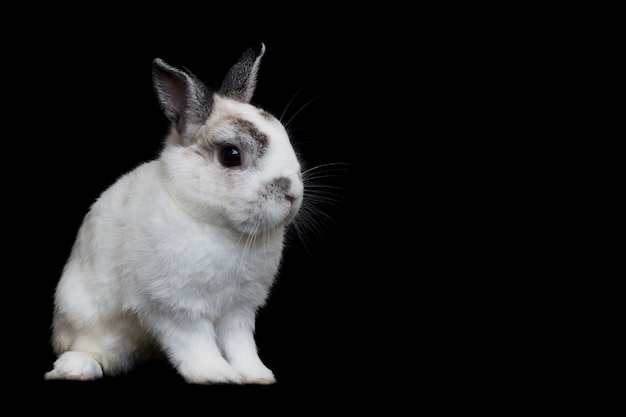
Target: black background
x,y
428,286
84,112
386,303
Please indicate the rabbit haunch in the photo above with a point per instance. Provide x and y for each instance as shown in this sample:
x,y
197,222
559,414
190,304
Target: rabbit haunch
x,y
178,255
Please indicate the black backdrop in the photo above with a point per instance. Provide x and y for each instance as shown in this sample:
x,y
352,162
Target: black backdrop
x,y
377,307
86,113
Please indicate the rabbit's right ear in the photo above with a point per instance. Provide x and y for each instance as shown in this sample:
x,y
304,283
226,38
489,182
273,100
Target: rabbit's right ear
x,y
184,99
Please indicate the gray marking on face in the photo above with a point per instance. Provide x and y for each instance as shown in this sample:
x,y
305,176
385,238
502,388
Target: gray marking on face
x,y
278,188
239,133
248,129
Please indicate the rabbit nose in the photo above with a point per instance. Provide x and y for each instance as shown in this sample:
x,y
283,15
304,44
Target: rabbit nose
x,y
286,187
282,184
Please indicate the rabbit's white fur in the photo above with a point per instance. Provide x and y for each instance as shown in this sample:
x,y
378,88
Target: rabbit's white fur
x,y
178,255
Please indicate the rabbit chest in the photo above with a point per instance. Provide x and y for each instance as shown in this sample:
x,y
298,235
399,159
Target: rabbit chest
x,y
151,252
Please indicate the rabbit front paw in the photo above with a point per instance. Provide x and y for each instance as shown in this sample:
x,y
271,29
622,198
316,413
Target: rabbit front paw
x,y
254,372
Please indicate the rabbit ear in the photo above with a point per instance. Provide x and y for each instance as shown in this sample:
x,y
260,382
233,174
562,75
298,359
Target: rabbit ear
x,y
240,81
185,100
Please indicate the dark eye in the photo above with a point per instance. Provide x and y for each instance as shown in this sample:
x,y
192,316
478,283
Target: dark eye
x,y
230,156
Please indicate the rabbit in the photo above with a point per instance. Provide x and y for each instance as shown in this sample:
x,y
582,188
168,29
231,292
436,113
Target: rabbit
x,y
177,256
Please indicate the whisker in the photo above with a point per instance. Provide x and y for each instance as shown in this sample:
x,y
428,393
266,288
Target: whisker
x,y
335,200
312,222
328,165
321,175
323,190
317,218
300,109
289,103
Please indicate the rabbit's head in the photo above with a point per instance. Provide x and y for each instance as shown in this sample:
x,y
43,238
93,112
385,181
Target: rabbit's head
x,y
225,160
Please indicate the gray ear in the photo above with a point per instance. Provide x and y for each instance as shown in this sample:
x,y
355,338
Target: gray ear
x,y
185,100
240,81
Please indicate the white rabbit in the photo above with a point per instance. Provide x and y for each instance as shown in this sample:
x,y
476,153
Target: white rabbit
x,y
178,255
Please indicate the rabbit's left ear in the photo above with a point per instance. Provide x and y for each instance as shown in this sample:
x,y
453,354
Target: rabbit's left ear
x,y
240,81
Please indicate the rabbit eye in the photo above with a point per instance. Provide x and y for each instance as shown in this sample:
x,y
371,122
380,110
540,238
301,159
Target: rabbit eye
x,y
230,156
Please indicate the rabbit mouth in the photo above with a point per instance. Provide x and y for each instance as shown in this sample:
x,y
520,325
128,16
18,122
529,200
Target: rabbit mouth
x,y
261,220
